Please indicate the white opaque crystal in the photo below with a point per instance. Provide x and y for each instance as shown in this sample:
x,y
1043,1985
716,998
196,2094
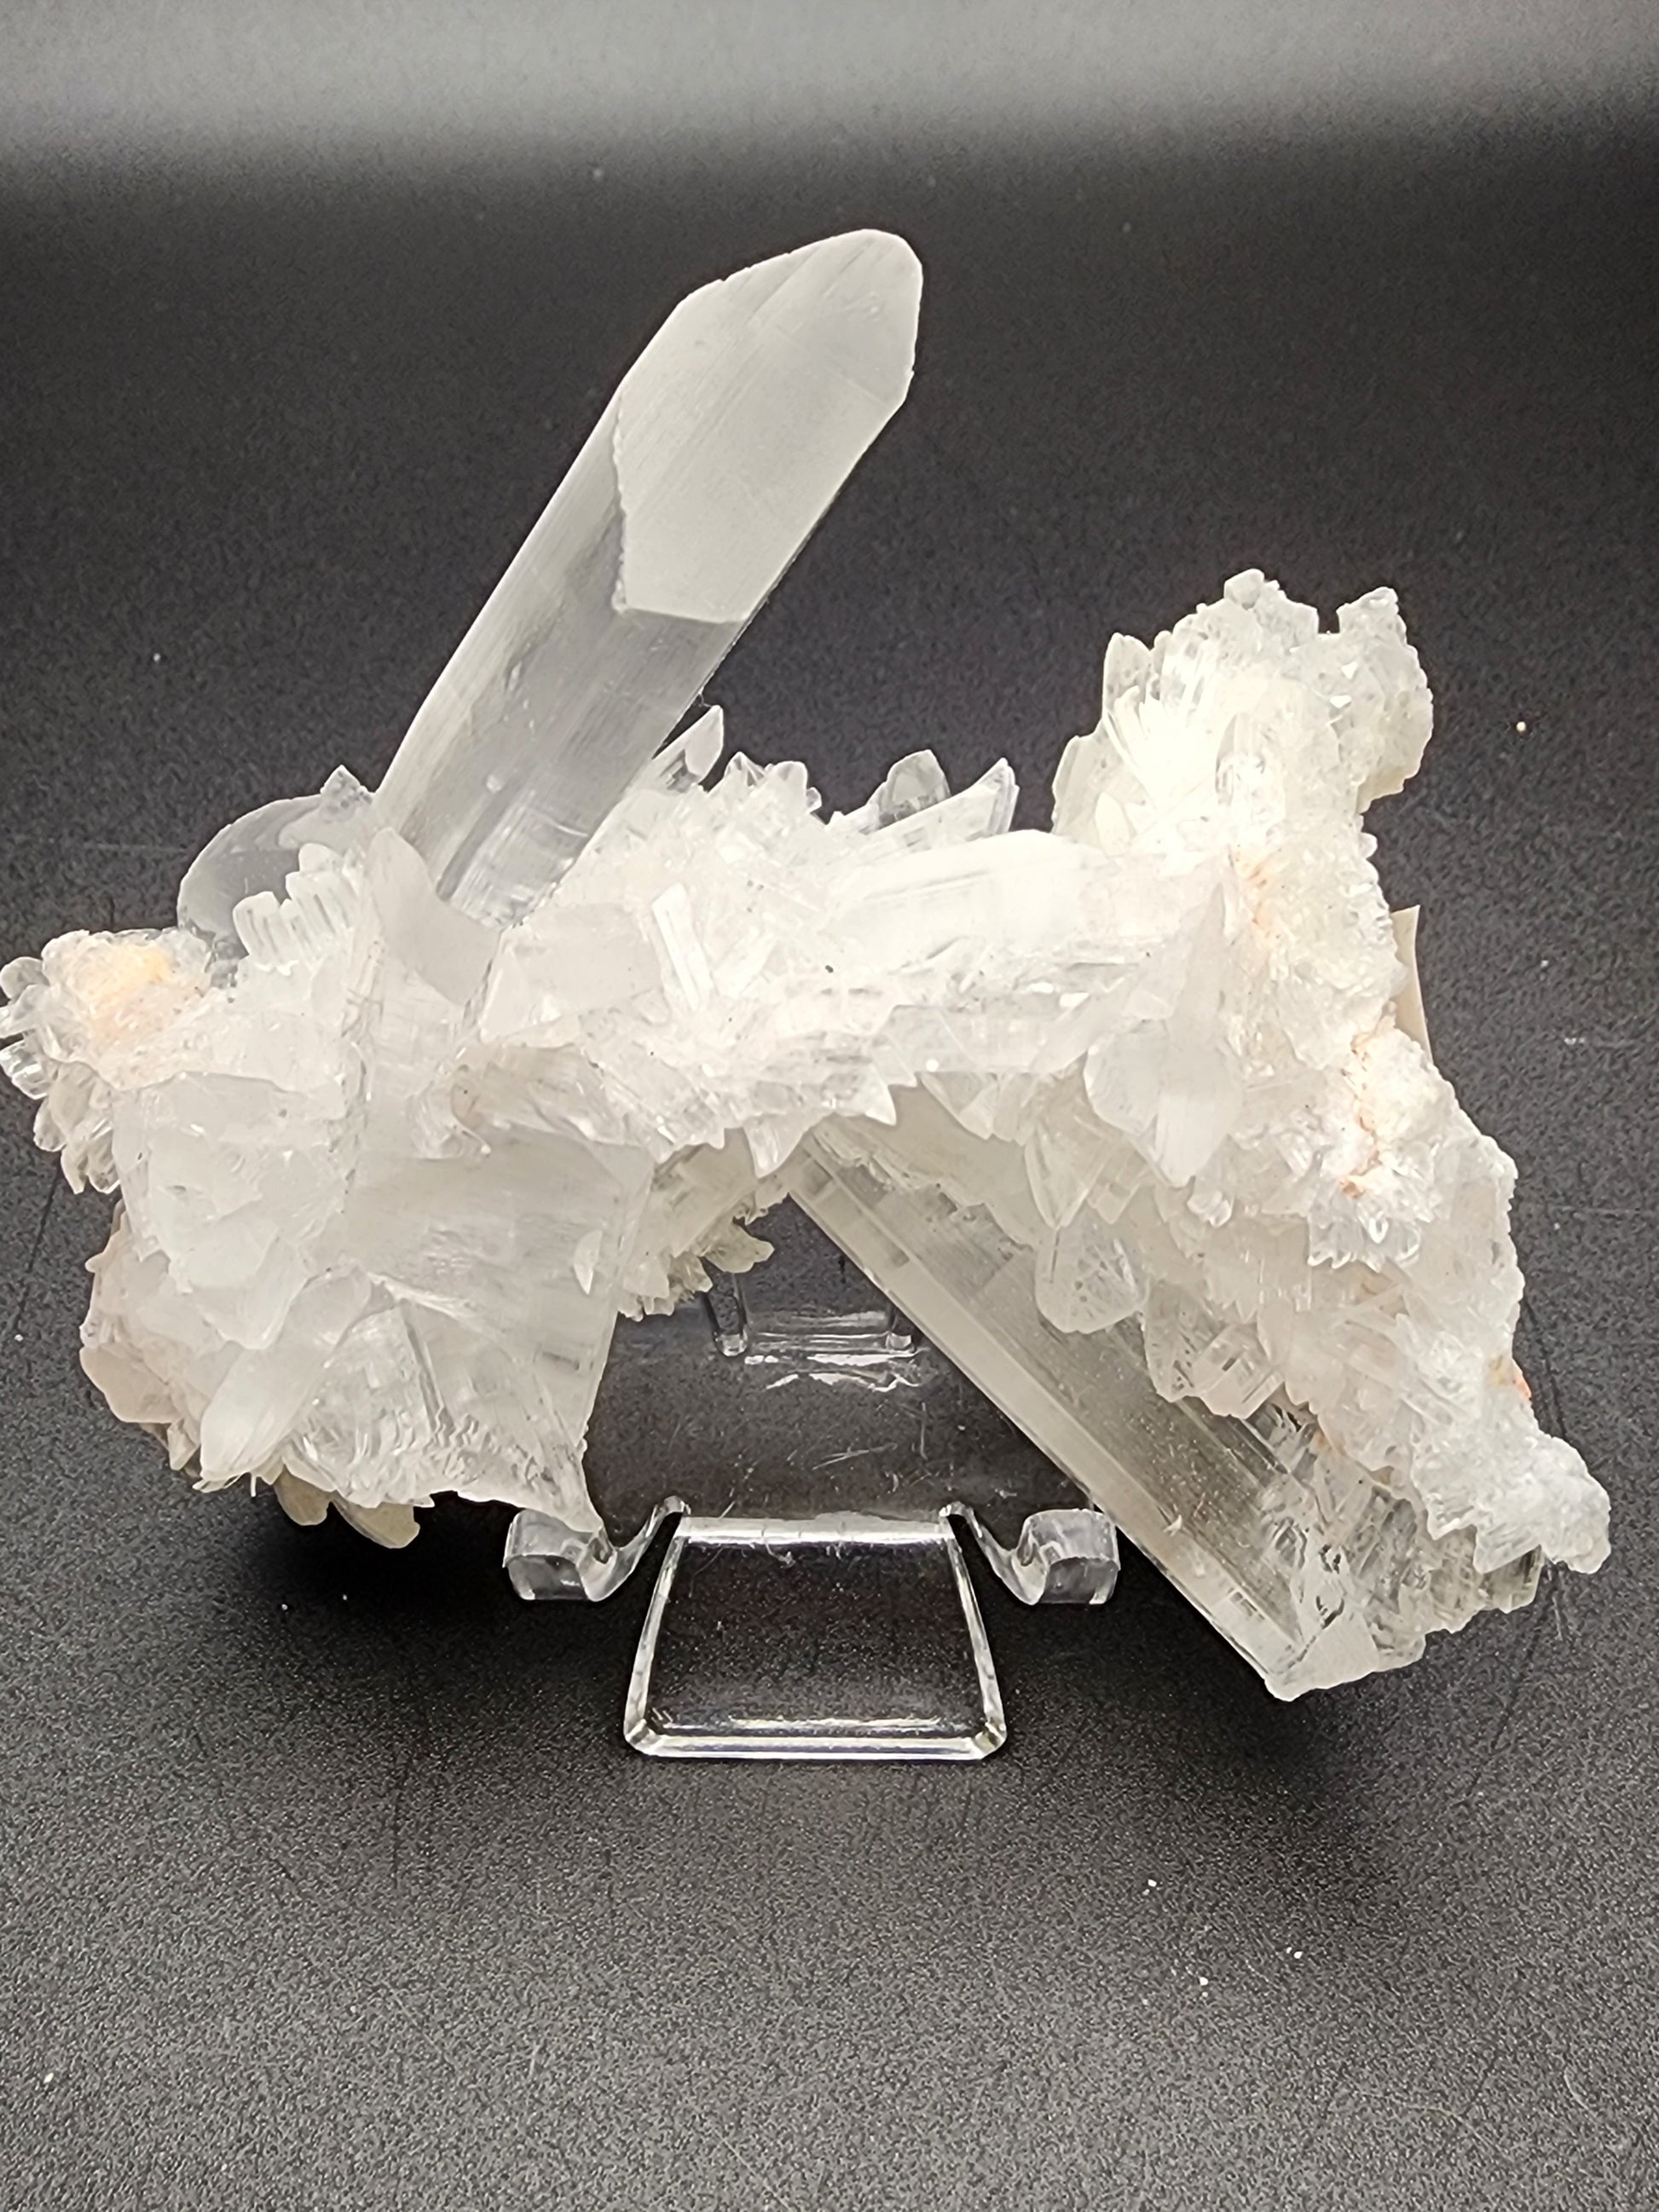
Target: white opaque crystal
x,y
1135,1117
1124,1119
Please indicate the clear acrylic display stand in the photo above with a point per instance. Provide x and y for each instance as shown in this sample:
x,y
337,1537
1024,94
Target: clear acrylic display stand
x,y
818,1459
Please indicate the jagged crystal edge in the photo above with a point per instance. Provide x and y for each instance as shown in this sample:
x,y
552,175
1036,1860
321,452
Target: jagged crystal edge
x,y
388,1172
1315,1571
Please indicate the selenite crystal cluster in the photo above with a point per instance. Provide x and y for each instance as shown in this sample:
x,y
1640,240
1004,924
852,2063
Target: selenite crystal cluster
x,y
1135,1117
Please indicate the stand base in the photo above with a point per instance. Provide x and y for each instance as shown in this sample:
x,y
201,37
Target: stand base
x,y
816,1636
840,1635
820,1459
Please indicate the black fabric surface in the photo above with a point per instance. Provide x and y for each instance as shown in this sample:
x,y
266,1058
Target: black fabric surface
x,y
325,1880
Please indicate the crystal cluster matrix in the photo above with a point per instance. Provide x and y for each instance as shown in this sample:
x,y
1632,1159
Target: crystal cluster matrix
x,y
1135,1117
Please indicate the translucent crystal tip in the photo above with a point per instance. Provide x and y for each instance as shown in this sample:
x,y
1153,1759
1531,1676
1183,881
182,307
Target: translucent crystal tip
x,y
789,370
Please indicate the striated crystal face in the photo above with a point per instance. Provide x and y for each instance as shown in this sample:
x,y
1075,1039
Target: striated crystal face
x,y
1134,1118
705,476
1316,1570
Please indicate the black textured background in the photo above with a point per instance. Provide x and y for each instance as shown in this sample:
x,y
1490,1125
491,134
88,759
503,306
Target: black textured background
x,y
325,1879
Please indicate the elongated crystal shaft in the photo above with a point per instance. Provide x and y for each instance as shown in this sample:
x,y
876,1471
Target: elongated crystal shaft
x,y
706,474
1226,1507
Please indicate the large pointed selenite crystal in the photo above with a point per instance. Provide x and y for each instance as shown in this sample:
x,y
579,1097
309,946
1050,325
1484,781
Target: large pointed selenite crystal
x,y
1135,1118
704,478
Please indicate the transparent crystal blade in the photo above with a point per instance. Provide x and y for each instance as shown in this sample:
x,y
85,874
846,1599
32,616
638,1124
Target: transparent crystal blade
x,y
1306,1565
707,471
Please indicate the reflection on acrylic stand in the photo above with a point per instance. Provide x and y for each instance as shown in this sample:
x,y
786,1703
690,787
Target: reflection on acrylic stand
x,y
818,1458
